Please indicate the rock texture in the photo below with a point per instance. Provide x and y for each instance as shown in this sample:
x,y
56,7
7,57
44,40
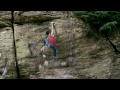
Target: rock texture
x,y
78,57
6,46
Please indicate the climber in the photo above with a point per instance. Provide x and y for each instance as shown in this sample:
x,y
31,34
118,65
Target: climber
x,y
50,40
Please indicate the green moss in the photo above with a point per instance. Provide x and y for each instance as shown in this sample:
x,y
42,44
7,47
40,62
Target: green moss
x,y
2,25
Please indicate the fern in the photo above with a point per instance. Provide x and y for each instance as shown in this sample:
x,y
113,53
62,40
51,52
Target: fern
x,y
108,26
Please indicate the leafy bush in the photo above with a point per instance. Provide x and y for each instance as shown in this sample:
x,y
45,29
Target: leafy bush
x,y
103,22
100,20
108,26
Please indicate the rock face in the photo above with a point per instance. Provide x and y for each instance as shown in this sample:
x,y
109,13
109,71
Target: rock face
x,y
77,56
6,46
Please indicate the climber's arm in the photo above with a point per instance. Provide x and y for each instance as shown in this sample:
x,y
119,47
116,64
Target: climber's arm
x,y
52,28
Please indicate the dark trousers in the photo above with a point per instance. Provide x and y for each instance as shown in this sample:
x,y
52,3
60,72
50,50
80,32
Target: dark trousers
x,y
53,50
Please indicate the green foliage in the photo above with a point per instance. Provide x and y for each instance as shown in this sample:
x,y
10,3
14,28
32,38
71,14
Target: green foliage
x,y
100,20
108,26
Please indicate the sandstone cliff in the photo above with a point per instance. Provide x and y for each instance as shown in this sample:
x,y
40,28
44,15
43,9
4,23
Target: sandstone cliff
x,y
77,56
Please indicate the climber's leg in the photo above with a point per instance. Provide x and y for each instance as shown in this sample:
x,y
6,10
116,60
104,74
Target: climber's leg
x,y
53,51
